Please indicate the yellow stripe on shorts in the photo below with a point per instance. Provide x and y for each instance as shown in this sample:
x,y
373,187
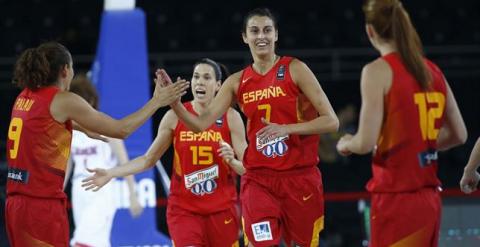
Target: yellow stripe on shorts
x,y
317,228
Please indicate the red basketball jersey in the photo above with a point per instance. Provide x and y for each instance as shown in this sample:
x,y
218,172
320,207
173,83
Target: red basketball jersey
x,y
201,181
38,146
275,97
405,158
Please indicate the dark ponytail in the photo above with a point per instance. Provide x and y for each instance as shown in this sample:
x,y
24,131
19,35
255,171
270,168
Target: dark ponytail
x,y
392,22
40,67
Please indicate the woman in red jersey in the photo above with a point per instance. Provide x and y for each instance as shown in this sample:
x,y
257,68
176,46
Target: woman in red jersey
x,y
282,191
39,137
201,205
408,113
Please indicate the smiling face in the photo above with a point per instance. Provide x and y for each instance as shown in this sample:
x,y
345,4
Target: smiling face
x,y
260,35
204,83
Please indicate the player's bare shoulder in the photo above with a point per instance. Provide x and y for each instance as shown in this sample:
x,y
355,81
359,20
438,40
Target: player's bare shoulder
x,y
169,120
379,73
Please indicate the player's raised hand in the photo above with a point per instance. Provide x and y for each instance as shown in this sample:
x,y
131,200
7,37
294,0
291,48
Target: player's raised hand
x,y
167,92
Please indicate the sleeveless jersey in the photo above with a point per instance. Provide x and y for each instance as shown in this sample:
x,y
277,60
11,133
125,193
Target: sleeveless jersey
x,y
405,158
201,182
38,146
275,97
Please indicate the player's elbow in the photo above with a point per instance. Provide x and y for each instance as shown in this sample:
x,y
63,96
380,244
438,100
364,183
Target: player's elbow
x,y
121,134
461,137
333,124
366,146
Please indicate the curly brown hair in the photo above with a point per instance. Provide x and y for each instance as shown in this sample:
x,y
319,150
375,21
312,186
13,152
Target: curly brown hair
x,y
39,67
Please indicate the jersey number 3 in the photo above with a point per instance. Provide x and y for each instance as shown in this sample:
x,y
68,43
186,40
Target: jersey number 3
x,y
14,132
430,108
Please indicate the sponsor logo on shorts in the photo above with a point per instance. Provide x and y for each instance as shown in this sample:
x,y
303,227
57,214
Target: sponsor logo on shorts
x,y
262,231
202,182
226,222
18,175
273,147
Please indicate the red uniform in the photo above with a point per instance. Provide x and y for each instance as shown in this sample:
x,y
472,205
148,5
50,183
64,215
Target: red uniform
x,y
282,189
203,193
38,148
406,205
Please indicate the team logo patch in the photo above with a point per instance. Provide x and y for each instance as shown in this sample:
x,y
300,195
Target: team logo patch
x,y
273,147
281,73
219,122
202,182
425,158
262,231
18,175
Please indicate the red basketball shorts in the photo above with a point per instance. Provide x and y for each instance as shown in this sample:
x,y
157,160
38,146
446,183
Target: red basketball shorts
x,y
405,219
34,221
220,229
286,204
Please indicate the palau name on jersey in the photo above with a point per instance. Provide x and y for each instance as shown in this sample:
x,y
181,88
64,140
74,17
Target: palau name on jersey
x,y
266,93
202,136
23,104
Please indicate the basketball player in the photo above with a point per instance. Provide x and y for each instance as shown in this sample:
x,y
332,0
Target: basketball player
x,y
408,114
282,191
39,137
201,206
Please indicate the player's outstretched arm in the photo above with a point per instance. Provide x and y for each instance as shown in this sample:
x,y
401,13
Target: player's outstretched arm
x,y
67,105
161,143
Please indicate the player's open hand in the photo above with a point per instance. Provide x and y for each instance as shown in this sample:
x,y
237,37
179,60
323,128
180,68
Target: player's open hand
x,y
166,92
271,131
469,181
97,180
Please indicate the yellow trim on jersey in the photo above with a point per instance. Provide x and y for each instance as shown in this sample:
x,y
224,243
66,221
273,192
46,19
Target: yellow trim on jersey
x,y
317,228
176,161
35,242
245,238
236,244
416,239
